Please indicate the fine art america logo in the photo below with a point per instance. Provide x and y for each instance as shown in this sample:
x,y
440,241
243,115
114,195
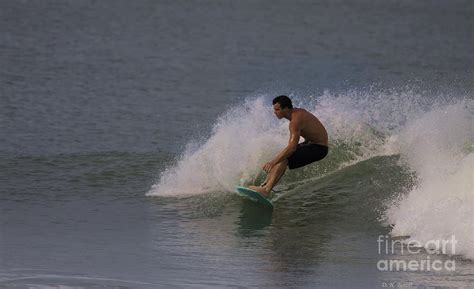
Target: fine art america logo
x,y
397,247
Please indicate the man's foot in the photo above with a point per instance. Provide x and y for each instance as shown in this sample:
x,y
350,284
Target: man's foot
x,y
261,190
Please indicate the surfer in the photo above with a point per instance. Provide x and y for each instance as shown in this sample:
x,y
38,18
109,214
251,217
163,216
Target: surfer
x,y
295,155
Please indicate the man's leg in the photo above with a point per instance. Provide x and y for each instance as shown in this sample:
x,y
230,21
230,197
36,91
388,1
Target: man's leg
x,y
272,179
266,181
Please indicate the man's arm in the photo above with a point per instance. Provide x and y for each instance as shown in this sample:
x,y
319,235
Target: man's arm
x,y
292,144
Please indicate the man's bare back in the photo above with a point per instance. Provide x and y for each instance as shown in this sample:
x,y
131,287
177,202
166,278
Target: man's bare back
x,y
311,129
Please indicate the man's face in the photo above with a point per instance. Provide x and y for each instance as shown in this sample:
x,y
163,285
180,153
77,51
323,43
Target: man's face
x,y
279,112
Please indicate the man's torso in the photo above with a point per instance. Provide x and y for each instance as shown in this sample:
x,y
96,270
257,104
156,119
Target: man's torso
x,y
311,128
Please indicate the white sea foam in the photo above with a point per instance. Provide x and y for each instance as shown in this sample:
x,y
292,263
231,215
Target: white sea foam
x,y
242,139
436,146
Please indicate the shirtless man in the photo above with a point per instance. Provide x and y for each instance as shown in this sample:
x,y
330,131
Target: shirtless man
x,y
295,155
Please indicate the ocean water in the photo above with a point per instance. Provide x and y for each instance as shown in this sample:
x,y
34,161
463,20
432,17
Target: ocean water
x,y
125,126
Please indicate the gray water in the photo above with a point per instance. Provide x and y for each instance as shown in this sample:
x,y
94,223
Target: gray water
x,y
97,98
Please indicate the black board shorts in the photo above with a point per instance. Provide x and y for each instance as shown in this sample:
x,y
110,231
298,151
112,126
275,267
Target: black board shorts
x,y
307,153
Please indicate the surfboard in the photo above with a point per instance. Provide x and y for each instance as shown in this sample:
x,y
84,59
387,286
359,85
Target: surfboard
x,y
253,196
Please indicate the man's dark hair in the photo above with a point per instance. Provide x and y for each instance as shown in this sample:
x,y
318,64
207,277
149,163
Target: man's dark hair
x,y
284,101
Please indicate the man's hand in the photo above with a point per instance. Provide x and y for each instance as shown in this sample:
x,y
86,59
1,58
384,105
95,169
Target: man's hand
x,y
268,166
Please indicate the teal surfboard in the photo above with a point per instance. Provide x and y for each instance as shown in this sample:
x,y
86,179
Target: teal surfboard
x,y
254,196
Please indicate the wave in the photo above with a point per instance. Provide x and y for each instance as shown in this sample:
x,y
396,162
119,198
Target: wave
x,y
432,134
